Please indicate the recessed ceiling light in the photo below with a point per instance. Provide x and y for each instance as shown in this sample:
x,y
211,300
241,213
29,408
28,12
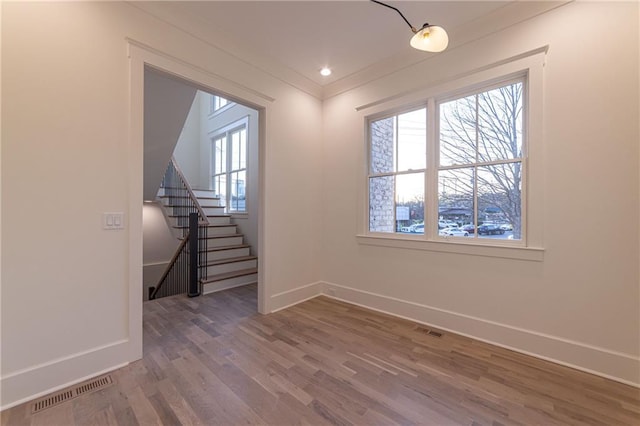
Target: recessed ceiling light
x,y
325,72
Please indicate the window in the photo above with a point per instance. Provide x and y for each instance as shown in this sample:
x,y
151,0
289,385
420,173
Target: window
x,y
480,162
461,181
218,103
397,172
230,168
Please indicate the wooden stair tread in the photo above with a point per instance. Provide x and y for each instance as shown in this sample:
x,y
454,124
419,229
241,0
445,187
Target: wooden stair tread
x,y
179,188
213,237
183,215
227,275
174,196
230,260
210,237
203,225
187,197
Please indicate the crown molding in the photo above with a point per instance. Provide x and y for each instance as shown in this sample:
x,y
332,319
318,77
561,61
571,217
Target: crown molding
x,y
510,14
171,14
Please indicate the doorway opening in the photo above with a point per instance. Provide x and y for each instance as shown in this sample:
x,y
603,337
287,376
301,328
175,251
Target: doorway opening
x,y
202,155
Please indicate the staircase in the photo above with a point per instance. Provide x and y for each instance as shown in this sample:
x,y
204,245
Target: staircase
x,y
225,261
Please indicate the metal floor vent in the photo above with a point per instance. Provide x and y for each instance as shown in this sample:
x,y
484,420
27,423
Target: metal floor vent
x,y
68,395
429,332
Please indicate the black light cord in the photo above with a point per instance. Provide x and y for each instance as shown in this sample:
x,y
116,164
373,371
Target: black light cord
x,y
400,13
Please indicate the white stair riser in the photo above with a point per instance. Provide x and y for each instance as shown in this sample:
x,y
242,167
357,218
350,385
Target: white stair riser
x,y
219,220
178,222
227,254
223,242
230,267
207,202
223,230
177,211
230,283
213,210
204,192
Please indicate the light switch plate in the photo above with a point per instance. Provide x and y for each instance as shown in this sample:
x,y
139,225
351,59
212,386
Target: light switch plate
x,y
113,220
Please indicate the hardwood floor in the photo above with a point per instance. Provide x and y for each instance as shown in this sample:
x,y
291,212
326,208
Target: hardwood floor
x,y
213,360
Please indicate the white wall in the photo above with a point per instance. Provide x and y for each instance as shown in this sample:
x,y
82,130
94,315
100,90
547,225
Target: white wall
x,y
159,244
65,308
187,151
167,103
580,305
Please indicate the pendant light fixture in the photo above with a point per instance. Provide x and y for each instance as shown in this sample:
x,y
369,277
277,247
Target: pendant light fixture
x,y
430,38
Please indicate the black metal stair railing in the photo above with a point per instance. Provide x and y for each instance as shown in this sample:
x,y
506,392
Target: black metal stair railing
x,y
181,198
188,264
182,274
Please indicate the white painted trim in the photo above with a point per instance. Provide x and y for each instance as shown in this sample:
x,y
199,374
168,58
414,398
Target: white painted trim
x,y
451,83
191,68
458,246
212,288
135,157
1,258
618,366
166,262
529,64
142,55
30,383
297,295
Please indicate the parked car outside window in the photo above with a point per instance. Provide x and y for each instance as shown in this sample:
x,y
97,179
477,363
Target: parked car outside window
x,y
490,229
446,224
453,231
418,229
469,227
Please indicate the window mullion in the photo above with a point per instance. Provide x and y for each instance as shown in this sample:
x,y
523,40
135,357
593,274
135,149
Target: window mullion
x,y
480,164
431,175
404,172
475,202
395,173
228,171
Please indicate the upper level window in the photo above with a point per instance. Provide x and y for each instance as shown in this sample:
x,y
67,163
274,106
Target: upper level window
x,y
462,180
230,168
218,103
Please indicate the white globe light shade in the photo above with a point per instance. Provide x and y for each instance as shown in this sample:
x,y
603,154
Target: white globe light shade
x,y
430,38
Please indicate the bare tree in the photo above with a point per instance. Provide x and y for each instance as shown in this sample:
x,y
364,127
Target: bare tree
x,y
481,142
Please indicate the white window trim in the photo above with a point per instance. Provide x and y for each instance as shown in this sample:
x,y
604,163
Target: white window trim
x,y
529,64
213,135
220,110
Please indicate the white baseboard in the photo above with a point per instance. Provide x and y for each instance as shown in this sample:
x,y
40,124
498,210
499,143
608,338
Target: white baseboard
x,y
34,382
621,367
216,287
297,295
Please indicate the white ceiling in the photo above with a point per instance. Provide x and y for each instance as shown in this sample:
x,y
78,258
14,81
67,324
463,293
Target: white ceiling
x,y
294,39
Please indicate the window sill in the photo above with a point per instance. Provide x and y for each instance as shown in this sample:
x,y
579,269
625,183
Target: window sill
x,y
534,254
